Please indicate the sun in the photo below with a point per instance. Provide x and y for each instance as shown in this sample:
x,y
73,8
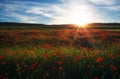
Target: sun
x,y
80,18
81,24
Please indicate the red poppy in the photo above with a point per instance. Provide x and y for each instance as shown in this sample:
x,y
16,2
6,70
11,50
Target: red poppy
x,y
76,58
32,67
6,51
88,66
4,78
91,49
83,56
96,77
1,57
46,55
27,52
46,45
47,74
113,67
40,47
59,62
4,63
55,54
99,59
13,53
60,68
62,55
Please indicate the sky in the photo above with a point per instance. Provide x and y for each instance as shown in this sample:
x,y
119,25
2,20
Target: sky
x,y
60,11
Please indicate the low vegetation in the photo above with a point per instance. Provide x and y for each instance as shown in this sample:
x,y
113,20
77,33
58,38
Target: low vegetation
x,y
59,54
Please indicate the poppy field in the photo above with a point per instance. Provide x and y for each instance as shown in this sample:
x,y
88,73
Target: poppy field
x,y
59,54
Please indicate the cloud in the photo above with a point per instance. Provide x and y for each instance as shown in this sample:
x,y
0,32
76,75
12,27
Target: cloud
x,y
30,11
23,18
107,4
39,11
103,2
67,11
75,11
16,11
112,8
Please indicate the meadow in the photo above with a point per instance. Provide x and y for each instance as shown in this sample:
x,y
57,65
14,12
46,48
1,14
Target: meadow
x,y
59,54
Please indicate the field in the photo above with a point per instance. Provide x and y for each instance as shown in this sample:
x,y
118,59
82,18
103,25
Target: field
x,y
59,54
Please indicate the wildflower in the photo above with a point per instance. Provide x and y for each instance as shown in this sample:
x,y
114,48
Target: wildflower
x,y
99,59
13,53
46,55
83,56
59,62
113,67
62,55
96,77
40,47
26,52
16,57
88,66
85,49
70,44
32,67
51,47
4,63
6,51
76,58
47,74
46,45
54,54
91,49
1,57
60,68
4,78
